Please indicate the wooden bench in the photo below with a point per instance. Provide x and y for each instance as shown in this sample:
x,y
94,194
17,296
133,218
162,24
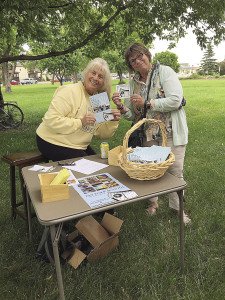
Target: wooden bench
x,y
20,160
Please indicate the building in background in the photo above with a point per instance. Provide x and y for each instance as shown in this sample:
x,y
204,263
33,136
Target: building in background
x,y
187,70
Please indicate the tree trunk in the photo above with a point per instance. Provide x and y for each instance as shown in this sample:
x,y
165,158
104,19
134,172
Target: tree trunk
x,y
41,75
75,77
53,78
1,98
6,77
120,74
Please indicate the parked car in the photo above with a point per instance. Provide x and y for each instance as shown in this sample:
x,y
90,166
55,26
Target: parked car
x,y
14,82
28,81
55,80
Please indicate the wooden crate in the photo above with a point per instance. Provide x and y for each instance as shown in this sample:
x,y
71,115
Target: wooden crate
x,y
52,192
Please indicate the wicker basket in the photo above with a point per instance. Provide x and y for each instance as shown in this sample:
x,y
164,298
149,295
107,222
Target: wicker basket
x,y
148,171
113,155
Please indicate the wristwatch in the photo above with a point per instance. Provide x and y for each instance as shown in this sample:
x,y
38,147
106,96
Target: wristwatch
x,y
120,106
148,104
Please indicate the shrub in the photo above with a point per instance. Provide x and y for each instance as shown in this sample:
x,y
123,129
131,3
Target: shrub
x,y
195,76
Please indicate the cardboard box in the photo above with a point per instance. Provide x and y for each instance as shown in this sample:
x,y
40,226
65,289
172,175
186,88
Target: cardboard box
x,y
52,192
113,155
103,237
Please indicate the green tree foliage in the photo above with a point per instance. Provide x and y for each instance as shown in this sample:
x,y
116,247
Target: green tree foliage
x,y
208,65
114,51
76,23
65,66
167,58
222,67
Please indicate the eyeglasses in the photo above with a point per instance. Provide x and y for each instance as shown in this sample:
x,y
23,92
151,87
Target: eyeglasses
x,y
133,61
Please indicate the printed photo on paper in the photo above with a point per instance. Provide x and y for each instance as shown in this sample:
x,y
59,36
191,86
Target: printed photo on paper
x,y
101,107
124,90
122,195
102,189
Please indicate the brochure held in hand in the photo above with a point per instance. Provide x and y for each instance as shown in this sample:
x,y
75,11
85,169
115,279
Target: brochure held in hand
x,y
101,107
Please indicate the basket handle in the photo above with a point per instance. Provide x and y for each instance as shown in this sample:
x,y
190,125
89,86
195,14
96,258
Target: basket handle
x,y
136,126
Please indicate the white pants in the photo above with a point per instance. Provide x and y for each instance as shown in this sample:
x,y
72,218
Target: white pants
x,y
176,169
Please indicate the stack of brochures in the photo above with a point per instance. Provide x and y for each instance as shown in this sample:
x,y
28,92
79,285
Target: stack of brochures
x,y
153,154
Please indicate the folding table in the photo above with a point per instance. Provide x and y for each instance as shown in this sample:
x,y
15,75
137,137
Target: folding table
x,y
53,214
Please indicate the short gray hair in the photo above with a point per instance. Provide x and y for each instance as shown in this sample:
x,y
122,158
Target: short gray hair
x,y
100,64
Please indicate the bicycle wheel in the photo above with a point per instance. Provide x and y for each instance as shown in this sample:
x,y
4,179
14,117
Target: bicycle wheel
x,y
12,117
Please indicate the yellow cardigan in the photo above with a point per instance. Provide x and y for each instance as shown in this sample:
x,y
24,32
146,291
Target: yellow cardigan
x,y
62,124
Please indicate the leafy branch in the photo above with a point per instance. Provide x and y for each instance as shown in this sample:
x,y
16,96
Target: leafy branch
x,y
72,48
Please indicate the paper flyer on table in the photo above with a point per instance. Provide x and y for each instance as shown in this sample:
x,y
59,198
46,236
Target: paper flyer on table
x,y
86,166
102,189
101,107
39,168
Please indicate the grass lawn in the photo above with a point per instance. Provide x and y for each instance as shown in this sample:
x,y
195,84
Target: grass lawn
x,y
146,264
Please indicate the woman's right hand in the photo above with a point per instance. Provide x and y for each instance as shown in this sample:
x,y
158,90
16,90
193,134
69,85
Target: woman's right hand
x,y
88,119
116,98
137,100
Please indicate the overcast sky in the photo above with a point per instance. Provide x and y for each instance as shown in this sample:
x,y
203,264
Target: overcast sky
x,y
187,50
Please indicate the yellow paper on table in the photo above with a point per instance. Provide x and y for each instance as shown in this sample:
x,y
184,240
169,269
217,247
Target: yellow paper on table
x,y
61,177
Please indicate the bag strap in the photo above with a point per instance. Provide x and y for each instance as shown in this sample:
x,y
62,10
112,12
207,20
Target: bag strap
x,y
148,89
49,253
141,130
62,246
63,240
45,250
43,239
183,101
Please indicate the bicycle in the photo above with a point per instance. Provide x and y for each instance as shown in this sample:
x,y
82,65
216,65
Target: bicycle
x,y
11,115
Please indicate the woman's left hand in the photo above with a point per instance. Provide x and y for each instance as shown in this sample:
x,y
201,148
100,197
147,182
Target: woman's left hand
x,y
137,100
116,114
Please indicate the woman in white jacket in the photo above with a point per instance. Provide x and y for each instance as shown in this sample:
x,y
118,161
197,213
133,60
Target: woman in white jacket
x,y
157,92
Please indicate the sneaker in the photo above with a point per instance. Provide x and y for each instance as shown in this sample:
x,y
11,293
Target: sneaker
x,y
187,220
151,210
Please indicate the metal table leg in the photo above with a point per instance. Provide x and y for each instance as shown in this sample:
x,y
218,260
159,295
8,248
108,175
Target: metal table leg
x,y
28,214
13,190
55,238
24,214
181,217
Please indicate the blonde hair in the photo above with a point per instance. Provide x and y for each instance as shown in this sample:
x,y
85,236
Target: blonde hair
x,y
100,64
